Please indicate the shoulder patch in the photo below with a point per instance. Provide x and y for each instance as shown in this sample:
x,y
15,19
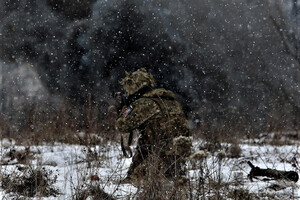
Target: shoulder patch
x,y
128,110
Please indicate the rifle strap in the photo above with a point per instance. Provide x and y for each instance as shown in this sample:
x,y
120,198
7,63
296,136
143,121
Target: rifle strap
x,y
159,102
129,142
126,148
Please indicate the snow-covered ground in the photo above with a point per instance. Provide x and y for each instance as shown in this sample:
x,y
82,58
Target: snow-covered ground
x,y
75,164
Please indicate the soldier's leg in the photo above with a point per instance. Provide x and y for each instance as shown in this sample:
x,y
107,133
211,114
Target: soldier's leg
x,y
141,153
175,166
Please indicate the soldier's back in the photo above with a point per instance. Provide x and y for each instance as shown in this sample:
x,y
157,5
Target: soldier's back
x,y
170,119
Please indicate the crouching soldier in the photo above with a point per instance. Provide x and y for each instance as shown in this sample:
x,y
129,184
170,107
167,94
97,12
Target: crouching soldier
x,y
159,119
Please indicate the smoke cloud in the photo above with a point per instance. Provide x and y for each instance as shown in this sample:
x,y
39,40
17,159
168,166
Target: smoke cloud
x,y
222,58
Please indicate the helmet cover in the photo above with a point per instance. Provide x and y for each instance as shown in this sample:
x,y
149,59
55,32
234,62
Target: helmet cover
x,y
137,80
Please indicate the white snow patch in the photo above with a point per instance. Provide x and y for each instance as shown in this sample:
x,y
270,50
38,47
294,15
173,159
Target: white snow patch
x,y
74,165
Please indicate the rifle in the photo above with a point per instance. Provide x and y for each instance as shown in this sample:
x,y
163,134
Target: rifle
x,y
122,100
125,100
272,173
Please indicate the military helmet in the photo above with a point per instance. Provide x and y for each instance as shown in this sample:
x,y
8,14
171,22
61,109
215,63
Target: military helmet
x,y
137,80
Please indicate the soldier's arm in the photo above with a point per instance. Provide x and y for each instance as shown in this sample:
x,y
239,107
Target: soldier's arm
x,y
131,118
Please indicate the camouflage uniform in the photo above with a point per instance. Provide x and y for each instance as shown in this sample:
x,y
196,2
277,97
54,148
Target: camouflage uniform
x,y
159,119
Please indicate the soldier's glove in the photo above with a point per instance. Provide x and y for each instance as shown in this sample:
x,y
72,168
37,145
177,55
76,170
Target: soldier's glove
x,y
121,100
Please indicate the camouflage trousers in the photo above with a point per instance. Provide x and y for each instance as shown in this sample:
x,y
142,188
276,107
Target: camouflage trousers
x,y
148,154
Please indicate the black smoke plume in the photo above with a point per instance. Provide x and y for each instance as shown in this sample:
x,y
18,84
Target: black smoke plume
x,y
226,60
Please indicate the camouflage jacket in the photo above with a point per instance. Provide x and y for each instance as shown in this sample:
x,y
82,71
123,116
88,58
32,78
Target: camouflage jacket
x,y
156,114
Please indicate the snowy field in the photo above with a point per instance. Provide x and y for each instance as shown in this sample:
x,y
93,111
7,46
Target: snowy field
x,y
75,165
